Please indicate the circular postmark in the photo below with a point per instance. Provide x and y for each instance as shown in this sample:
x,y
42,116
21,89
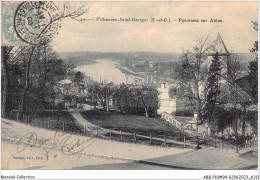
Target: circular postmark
x,y
37,22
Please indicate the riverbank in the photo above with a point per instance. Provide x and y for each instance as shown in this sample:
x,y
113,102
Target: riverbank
x,y
129,71
156,78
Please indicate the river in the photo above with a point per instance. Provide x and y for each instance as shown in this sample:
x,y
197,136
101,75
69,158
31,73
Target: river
x,y
104,70
107,71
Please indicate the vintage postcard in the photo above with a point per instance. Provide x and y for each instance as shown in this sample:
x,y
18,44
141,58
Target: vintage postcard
x,y
130,86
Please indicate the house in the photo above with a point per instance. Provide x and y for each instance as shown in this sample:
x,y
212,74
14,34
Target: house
x,y
151,64
166,102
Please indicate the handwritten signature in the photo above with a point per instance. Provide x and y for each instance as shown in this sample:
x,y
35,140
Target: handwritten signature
x,y
61,141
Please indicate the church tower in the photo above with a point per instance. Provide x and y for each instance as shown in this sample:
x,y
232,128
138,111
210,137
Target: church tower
x,y
219,46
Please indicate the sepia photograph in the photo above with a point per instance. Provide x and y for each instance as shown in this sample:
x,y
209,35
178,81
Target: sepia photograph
x,y
130,86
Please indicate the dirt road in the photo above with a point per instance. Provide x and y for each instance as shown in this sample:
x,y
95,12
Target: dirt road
x,y
28,147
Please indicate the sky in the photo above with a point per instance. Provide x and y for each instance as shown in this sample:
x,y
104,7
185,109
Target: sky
x,y
236,29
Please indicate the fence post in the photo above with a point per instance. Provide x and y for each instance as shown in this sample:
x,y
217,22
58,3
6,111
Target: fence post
x,y
23,117
221,143
254,140
150,138
198,142
110,133
48,123
85,129
121,134
63,125
134,137
17,116
97,131
184,140
164,140
58,120
215,141
11,113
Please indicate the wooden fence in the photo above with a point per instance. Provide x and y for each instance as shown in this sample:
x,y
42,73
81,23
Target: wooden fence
x,y
250,142
213,141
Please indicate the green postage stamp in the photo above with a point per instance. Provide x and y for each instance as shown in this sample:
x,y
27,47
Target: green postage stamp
x,y
9,36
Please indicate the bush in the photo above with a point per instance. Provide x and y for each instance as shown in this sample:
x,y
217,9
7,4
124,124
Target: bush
x,y
138,111
60,106
185,113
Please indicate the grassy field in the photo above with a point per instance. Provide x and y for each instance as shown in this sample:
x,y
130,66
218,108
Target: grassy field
x,y
115,121
157,127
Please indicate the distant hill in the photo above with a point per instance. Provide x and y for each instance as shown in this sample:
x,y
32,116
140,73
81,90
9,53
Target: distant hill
x,y
122,56
80,58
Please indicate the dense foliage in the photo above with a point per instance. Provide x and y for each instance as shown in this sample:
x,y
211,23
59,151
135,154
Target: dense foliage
x,y
213,89
29,78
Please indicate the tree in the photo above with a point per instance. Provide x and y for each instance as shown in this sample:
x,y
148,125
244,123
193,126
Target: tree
x,y
174,68
253,68
10,64
100,93
136,100
212,88
37,83
172,92
149,98
93,90
121,96
192,75
78,77
5,56
27,56
235,69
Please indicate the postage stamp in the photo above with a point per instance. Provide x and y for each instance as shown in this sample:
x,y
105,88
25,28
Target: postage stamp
x,y
29,23
9,36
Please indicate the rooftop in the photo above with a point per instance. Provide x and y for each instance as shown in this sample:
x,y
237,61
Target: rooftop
x,y
219,46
